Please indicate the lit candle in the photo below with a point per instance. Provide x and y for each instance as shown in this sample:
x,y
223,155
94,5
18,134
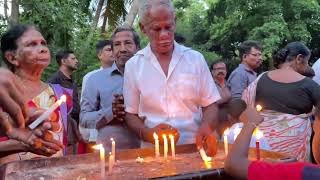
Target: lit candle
x,y
48,112
156,143
165,146
259,135
173,149
102,160
113,148
225,141
204,156
236,132
259,107
111,161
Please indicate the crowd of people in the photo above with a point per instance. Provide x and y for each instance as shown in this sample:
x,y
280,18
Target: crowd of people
x,y
164,87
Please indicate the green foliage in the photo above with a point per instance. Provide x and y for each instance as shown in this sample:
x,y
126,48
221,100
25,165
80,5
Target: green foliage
x,y
219,26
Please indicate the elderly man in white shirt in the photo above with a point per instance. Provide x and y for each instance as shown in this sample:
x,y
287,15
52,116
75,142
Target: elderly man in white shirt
x,y
168,84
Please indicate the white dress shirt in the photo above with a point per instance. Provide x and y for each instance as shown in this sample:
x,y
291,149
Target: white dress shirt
x,y
175,99
88,134
316,68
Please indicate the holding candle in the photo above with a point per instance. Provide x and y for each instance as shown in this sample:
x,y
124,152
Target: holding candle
x,y
102,160
173,150
225,141
48,112
165,146
156,145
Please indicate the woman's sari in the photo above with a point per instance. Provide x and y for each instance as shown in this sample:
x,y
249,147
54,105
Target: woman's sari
x,y
284,133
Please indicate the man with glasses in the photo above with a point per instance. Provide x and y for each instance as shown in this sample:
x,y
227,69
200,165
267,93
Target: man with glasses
x,y
219,72
244,74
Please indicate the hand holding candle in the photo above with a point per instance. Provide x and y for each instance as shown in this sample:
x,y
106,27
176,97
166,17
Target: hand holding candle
x,y
48,112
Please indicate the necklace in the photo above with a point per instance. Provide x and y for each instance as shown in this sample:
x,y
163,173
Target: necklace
x,y
31,88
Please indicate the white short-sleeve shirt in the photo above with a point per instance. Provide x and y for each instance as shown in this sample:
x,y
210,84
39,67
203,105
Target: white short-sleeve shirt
x,y
175,99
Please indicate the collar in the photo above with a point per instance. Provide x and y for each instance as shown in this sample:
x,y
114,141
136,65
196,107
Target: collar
x,y
60,73
178,50
246,68
114,70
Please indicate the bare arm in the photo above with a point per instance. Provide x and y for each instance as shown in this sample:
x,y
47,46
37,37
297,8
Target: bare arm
x,y
136,124
225,95
11,147
237,162
208,123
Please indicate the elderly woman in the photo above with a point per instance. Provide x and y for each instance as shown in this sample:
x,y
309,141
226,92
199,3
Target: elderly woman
x,y
26,54
287,97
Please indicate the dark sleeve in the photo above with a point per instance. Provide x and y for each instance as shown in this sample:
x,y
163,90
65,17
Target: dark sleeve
x,y
237,83
315,93
264,170
76,107
53,79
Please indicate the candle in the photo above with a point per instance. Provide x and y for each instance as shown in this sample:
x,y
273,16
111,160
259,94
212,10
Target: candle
x,y
113,148
102,160
111,161
156,143
225,141
165,146
173,149
259,135
204,156
236,132
48,112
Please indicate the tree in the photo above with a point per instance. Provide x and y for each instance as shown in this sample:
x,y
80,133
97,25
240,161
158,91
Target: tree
x,y
223,24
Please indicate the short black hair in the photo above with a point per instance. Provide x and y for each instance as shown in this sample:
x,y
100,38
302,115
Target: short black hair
x,y
9,40
101,44
63,54
246,46
136,37
217,61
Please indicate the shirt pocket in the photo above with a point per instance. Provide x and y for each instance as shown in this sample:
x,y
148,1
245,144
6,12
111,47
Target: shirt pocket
x,y
187,86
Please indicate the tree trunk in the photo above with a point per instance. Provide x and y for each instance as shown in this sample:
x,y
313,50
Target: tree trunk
x,y
133,12
5,6
14,19
104,23
97,15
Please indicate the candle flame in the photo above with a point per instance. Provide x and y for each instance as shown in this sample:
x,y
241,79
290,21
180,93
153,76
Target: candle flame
x,y
259,134
110,154
226,132
155,136
171,136
111,139
259,107
164,136
98,146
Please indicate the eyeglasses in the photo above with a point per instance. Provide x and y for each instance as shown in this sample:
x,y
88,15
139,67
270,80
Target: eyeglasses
x,y
256,55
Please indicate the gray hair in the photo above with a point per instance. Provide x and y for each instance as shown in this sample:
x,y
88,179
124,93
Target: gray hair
x,y
146,5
